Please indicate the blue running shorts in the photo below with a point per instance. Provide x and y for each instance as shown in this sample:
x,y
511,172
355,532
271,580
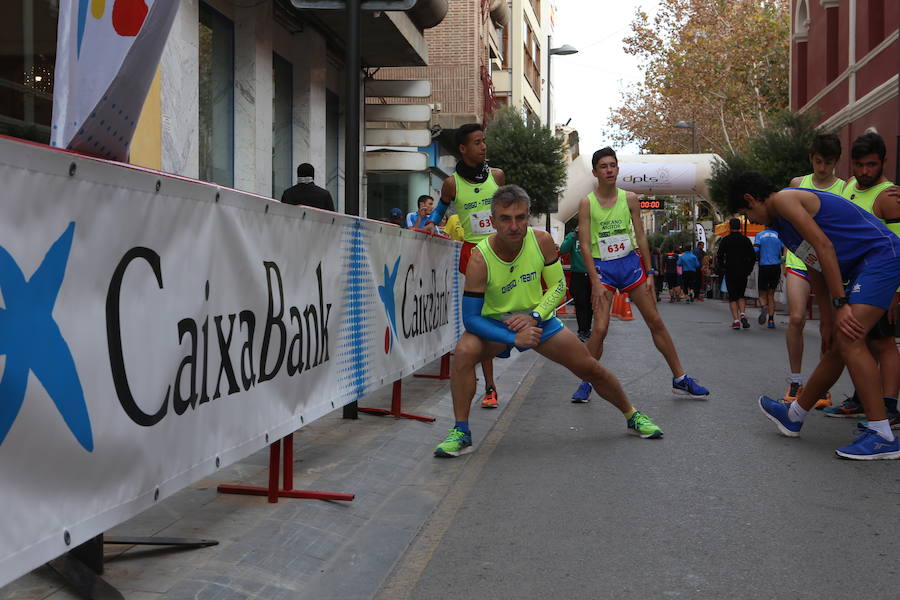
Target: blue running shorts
x,y
550,327
876,283
623,274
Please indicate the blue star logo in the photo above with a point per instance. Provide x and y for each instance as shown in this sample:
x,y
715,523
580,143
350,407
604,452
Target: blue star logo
x,y
32,342
386,293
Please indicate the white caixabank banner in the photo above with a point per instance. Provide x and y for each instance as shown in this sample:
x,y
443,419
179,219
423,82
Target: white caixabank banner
x,y
154,329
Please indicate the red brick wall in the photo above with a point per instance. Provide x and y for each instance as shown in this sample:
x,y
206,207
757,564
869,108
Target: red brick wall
x,y
457,48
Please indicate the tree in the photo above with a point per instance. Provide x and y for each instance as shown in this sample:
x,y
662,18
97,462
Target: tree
x,y
721,65
530,156
780,152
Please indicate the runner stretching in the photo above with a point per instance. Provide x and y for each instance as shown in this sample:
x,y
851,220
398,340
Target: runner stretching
x,y
504,306
609,220
469,190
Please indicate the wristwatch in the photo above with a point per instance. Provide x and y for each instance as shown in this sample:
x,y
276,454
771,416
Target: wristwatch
x,y
839,302
536,316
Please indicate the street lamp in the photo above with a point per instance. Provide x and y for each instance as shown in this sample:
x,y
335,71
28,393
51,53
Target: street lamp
x,y
563,50
693,128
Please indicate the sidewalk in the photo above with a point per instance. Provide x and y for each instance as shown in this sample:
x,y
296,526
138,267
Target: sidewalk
x,y
298,549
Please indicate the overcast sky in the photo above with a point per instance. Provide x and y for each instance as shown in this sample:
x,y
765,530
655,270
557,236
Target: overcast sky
x,y
587,86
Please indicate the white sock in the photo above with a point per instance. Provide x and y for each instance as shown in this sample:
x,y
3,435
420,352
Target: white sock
x,y
797,378
882,428
680,379
796,413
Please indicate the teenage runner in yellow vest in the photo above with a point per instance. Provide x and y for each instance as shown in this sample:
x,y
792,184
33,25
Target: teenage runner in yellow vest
x,y
504,306
469,190
610,230
869,189
823,156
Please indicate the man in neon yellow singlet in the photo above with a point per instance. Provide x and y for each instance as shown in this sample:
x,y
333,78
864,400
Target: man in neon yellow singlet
x,y
504,306
469,190
610,231
823,156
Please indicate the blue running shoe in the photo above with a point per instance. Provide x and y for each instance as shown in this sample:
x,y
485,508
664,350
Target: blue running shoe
x,y
870,446
777,412
689,387
583,394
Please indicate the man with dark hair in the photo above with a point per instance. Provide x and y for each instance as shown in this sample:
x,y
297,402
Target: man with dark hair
x,y
839,241
504,306
307,193
418,218
470,189
823,156
611,231
735,258
868,189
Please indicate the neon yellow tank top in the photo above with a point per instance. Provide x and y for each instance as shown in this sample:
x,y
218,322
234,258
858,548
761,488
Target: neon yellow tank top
x,y
512,287
473,205
791,261
613,225
865,199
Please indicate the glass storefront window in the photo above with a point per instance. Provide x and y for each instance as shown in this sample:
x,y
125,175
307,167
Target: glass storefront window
x,y
216,102
27,60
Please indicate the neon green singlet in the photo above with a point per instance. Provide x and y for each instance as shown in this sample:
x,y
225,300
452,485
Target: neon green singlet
x,y
473,205
512,287
613,225
791,261
865,199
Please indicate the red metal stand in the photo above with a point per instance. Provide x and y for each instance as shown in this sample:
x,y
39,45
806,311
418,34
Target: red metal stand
x,y
445,369
395,404
287,490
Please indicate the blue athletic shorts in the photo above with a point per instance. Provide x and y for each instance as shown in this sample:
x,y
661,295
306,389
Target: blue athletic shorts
x,y
623,274
876,283
550,327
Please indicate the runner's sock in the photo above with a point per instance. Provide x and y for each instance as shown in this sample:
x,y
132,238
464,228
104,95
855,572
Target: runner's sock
x,y
797,378
630,413
463,426
680,379
796,412
882,428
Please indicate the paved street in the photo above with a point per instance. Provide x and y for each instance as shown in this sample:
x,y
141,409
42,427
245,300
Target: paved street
x,y
556,501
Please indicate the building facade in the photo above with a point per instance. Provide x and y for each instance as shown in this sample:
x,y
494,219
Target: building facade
x,y
844,66
244,91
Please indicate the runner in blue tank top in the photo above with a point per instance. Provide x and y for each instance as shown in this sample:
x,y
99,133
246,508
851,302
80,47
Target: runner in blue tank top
x,y
839,242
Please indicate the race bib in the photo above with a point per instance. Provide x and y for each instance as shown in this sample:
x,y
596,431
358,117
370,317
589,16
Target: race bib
x,y
614,246
807,254
481,222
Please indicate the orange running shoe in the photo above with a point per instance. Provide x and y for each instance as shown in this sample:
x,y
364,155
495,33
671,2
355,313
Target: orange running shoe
x,y
792,393
490,399
823,402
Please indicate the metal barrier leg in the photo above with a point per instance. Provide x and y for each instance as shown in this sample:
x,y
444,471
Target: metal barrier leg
x,y
444,372
395,410
287,490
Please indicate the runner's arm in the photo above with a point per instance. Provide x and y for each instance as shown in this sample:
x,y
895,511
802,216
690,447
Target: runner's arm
x,y
499,176
448,193
473,302
795,182
788,205
552,275
584,237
